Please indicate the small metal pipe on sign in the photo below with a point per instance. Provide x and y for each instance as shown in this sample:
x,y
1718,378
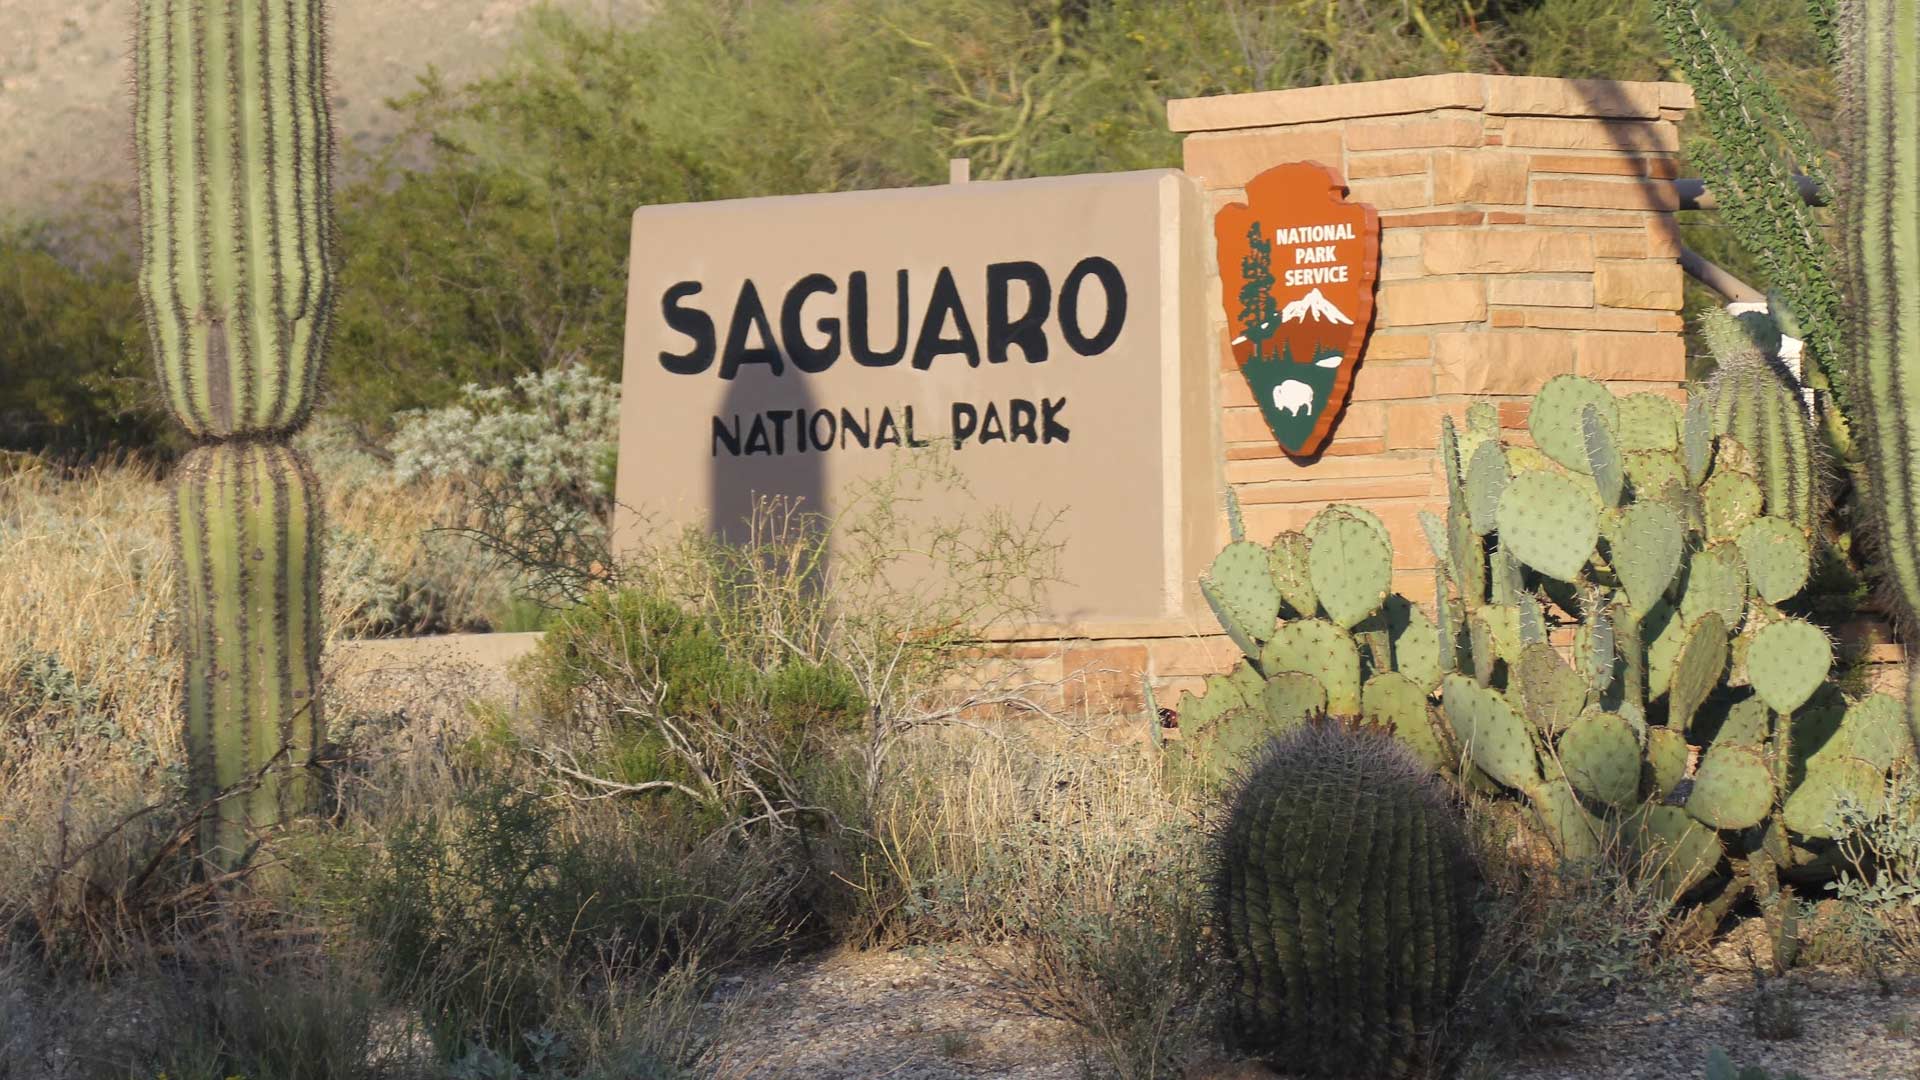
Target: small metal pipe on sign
x,y
1715,277
1693,194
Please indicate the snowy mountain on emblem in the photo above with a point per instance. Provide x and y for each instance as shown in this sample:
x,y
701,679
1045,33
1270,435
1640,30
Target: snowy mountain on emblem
x,y
1315,305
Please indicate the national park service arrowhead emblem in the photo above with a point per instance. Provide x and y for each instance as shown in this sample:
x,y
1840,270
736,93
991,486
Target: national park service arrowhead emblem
x,y
1297,266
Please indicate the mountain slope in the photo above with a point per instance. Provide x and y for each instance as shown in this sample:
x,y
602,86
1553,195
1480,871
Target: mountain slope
x,y
64,67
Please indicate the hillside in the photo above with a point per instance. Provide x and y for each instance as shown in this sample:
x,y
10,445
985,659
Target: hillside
x,y
64,66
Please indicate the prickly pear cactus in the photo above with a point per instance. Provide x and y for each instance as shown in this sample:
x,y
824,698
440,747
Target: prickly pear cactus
x,y
233,147
1606,635
1343,900
1697,683
1346,632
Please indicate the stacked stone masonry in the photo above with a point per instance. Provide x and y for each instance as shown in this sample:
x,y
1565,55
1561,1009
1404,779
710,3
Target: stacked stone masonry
x,y
1527,230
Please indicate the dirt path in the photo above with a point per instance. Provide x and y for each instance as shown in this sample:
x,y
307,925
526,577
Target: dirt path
x,y
895,1015
1848,1031
859,1016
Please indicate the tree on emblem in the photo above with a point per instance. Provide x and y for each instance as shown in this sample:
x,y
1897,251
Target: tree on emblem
x,y
1259,315
1291,393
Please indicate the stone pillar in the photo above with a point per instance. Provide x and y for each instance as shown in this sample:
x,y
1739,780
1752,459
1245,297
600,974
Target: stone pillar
x,y
1526,230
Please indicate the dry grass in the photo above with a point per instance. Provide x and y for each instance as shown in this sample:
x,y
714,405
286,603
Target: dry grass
x,y
405,575
1072,851
1079,855
89,666
973,836
996,832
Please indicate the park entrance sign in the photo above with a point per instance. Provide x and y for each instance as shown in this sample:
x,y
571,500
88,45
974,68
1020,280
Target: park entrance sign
x,y
1050,335
1122,349
1297,265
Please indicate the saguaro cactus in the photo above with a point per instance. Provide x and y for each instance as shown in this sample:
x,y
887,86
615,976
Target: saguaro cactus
x,y
233,146
247,522
1881,70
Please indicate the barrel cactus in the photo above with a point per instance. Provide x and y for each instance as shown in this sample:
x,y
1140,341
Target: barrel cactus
x,y
1756,400
1343,898
233,147
1608,641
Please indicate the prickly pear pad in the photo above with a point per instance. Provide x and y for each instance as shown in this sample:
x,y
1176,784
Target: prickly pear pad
x,y
1787,662
1550,523
1732,790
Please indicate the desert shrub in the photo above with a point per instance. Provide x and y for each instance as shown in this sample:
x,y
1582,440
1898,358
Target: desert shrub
x,y
753,659
548,435
86,655
1559,935
1881,884
71,345
804,696
490,909
531,467
46,705
395,564
402,579
616,634
655,1031
294,1017
626,653
466,903
657,700
1072,854
290,1025
364,584
490,243
1125,958
505,255
90,764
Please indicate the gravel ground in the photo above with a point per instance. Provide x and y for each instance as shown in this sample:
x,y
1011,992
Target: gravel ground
x,y
884,1014
855,1016
1848,1031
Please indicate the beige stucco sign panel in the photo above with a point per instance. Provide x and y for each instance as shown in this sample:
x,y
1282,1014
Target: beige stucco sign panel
x,y
1051,334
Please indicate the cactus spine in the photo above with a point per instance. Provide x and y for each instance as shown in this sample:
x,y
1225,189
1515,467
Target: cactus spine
x,y
1882,69
1343,897
233,147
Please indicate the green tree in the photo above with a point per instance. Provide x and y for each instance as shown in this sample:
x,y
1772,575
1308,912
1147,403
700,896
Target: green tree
x,y
76,377
1259,316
